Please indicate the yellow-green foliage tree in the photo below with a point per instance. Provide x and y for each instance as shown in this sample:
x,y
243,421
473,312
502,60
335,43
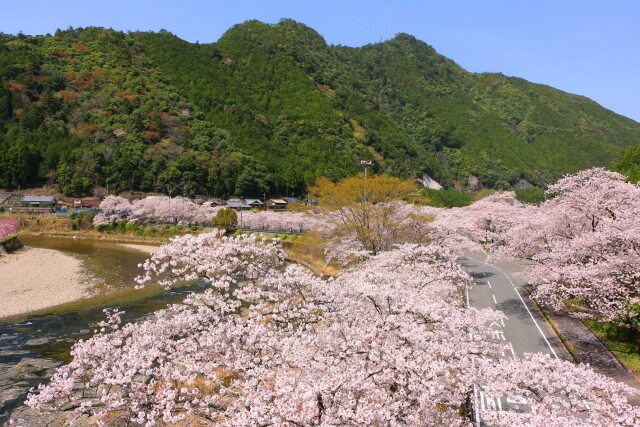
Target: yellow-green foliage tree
x,y
372,211
226,218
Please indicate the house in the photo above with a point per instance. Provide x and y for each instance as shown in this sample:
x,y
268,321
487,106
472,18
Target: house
x,y
277,204
254,203
38,202
214,202
237,204
86,204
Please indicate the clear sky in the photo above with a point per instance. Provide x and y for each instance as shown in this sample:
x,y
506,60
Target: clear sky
x,y
588,47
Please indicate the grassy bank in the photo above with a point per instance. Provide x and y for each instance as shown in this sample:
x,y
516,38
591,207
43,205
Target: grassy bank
x,y
619,341
81,226
308,249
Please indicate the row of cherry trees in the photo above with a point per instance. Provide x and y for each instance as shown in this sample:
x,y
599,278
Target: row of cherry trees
x,y
179,210
154,210
584,241
389,341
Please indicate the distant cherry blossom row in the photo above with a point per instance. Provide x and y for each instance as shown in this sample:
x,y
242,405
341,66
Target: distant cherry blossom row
x,y
182,211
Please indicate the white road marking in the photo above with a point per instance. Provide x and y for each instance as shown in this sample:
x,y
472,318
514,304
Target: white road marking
x,y
468,305
494,299
476,405
489,283
525,305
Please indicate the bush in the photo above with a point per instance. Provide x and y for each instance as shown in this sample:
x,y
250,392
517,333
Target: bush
x,y
533,196
447,198
226,219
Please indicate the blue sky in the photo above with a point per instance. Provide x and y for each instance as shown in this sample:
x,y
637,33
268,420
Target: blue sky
x,y
587,47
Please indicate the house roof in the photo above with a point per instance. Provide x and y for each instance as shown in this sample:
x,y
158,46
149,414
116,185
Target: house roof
x,y
90,202
278,201
237,203
38,199
253,201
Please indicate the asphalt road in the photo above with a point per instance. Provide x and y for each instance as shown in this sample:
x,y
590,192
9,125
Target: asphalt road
x,y
524,330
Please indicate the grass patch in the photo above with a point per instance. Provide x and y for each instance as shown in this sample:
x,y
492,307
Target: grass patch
x,y
620,341
533,196
447,198
309,249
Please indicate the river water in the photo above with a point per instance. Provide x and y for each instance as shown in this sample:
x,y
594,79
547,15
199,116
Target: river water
x,y
30,346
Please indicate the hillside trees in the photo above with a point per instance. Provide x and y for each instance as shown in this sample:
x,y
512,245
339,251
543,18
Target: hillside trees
x,y
299,108
629,163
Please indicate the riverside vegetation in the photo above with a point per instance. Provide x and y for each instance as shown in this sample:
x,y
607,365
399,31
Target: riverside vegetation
x,y
270,108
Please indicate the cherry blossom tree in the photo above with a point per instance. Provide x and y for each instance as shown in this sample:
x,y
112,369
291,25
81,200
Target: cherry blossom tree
x,y
479,226
8,227
388,341
274,344
154,210
558,393
586,245
284,221
178,210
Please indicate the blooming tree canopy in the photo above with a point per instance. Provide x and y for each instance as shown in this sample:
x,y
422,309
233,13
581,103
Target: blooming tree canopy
x,y
154,210
586,244
388,341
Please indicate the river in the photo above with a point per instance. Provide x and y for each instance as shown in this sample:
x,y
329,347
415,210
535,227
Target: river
x,y
32,345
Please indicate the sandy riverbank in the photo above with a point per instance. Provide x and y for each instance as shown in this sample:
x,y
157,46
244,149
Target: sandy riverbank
x,y
142,248
34,278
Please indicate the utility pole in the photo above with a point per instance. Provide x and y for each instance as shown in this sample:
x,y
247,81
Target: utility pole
x,y
365,163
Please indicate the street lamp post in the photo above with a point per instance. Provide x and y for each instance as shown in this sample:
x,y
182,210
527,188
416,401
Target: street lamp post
x,y
365,163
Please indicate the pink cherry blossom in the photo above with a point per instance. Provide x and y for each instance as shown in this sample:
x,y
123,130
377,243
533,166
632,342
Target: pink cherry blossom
x,y
8,227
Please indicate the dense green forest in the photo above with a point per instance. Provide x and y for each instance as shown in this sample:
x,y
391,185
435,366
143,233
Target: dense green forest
x,y
269,108
629,163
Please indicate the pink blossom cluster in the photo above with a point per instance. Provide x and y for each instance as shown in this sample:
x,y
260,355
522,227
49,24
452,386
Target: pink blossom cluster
x,y
586,244
479,226
8,227
178,210
584,240
154,210
390,341
285,221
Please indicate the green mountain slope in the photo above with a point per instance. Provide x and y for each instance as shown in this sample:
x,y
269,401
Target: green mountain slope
x,y
268,108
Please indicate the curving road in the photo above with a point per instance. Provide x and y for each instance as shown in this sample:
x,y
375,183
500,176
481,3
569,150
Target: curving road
x,y
524,330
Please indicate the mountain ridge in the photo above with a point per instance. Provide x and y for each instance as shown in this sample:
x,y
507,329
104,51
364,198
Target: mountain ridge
x,y
272,106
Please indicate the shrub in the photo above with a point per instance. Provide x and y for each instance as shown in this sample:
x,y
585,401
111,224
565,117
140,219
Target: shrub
x,y
226,219
447,198
533,196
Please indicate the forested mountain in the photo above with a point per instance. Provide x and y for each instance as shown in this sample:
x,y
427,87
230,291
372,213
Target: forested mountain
x,y
268,108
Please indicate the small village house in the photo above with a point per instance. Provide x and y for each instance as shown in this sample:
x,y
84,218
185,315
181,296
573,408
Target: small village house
x,y
254,203
277,204
237,204
37,204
